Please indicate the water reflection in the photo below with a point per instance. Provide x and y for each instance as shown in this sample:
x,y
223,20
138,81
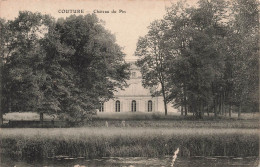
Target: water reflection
x,y
219,161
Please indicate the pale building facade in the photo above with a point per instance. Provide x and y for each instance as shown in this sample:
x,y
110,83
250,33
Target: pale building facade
x,y
135,98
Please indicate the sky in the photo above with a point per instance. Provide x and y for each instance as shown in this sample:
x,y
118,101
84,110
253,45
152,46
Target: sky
x,y
130,21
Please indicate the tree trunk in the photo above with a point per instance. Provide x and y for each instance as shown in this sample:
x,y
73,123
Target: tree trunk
x,y
219,106
223,104
224,109
1,109
185,108
1,95
195,108
239,111
164,98
181,110
208,110
230,110
185,100
202,110
165,107
9,105
215,109
1,117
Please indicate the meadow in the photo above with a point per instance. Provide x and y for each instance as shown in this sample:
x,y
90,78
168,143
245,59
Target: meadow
x,y
173,120
218,124
30,143
171,116
134,135
133,116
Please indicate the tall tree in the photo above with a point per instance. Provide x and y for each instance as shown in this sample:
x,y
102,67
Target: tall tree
x,y
244,52
3,49
195,35
97,60
152,61
209,55
65,67
22,60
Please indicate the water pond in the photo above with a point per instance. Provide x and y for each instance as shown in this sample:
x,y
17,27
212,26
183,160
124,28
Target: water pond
x,y
137,162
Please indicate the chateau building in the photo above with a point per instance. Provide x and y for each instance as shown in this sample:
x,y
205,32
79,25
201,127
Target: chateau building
x,y
135,98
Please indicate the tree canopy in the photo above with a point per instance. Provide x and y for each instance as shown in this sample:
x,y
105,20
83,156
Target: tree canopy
x,y
64,67
208,56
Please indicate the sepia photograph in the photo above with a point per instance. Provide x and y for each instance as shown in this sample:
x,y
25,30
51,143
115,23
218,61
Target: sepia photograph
x,y
129,83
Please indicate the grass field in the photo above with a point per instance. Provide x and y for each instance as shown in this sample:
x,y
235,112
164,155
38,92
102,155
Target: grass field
x,y
132,116
135,135
128,142
173,120
245,124
170,116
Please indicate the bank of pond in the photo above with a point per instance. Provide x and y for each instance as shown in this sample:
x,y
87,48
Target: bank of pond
x,y
89,143
195,161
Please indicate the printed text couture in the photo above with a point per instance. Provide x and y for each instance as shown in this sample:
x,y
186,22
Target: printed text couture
x,y
71,10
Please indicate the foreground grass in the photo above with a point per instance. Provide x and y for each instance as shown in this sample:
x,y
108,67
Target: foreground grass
x,y
134,142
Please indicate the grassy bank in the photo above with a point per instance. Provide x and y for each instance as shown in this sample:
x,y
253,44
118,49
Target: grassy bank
x,y
127,142
246,124
171,116
173,120
129,119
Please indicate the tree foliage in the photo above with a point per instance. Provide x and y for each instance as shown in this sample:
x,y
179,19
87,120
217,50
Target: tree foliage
x,y
151,50
209,56
64,67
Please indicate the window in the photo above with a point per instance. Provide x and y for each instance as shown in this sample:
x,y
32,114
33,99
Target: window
x,y
150,106
133,106
117,106
101,109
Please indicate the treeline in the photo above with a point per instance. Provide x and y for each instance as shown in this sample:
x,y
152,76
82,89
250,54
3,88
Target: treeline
x,y
205,58
63,67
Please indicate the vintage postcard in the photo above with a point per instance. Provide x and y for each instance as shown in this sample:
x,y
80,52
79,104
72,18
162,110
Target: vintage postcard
x,y
129,83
